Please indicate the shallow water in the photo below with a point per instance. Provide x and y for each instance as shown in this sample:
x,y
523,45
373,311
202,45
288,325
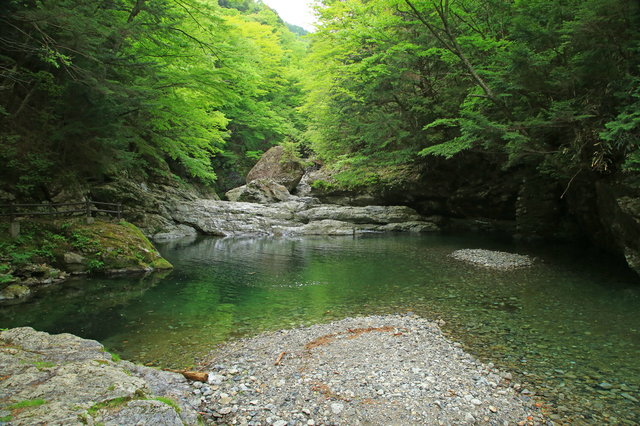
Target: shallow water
x,y
565,325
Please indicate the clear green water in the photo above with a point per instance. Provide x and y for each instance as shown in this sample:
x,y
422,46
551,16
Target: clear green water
x,y
565,325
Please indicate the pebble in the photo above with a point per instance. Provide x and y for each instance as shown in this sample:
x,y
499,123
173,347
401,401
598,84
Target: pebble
x,y
493,259
629,397
375,370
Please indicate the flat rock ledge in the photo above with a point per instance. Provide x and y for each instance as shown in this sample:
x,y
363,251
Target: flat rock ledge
x,y
301,216
493,259
65,380
376,370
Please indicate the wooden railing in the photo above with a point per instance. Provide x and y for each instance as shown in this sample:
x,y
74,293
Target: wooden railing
x,y
52,209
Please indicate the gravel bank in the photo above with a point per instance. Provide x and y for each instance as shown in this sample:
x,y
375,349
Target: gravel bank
x,y
377,370
493,259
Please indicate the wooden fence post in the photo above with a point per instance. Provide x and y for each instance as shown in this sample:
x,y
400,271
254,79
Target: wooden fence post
x,y
51,211
89,218
14,230
119,212
12,215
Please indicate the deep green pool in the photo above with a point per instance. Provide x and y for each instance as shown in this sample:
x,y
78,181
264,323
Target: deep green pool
x,y
565,325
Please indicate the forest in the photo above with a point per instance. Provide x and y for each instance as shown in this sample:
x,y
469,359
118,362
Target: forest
x,y
93,89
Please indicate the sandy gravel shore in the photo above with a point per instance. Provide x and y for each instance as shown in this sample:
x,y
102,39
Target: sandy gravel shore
x,y
376,370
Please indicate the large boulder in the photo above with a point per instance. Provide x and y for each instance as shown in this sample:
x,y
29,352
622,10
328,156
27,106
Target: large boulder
x,y
275,167
261,191
73,381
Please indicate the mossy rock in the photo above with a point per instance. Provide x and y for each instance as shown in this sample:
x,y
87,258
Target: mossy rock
x,y
119,247
15,291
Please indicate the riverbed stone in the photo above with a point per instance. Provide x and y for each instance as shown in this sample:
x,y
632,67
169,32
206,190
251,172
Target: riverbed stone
x,y
362,371
493,259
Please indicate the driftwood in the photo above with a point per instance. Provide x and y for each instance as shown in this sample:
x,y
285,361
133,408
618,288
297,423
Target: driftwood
x,y
196,376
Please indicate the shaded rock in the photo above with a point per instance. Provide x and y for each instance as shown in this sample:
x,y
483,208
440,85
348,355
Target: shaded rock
x,y
608,209
15,291
148,202
179,231
74,262
6,197
412,226
272,167
369,214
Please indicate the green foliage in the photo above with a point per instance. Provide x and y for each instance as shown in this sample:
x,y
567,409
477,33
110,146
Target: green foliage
x,y
95,265
112,403
291,151
90,91
27,404
392,81
43,364
81,239
170,402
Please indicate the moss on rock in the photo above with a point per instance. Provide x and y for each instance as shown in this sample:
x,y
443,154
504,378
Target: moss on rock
x,y
76,247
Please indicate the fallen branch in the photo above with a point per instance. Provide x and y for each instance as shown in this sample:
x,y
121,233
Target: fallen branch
x,y
196,376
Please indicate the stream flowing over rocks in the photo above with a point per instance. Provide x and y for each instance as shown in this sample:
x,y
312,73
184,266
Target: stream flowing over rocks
x,y
377,370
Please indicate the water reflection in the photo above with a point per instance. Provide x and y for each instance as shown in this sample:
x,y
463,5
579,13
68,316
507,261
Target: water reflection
x,y
567,324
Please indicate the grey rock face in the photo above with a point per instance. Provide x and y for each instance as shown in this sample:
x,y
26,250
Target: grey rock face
x,y
148,204
260,191
272,167
369,214
71,377
299,216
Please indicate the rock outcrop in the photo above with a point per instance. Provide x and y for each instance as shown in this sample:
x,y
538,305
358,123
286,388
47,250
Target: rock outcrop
x,y
274,167
65,380
301,216
609,212
75,247
473,191
148,202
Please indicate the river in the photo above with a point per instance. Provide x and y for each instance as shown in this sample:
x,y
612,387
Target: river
x,y
563,326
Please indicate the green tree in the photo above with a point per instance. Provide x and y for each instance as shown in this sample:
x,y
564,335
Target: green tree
x,y
550,84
